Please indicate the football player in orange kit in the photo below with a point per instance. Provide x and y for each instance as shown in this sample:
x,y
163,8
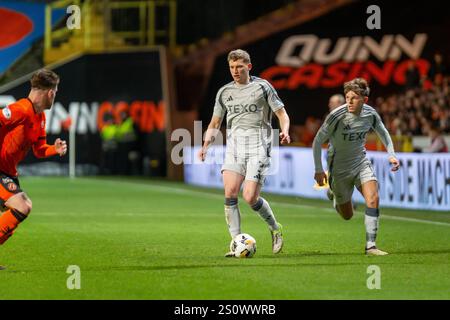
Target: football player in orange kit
x,y
22,126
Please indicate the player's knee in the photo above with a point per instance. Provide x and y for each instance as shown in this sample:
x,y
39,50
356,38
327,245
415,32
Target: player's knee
x,y
231,192
250,197
25,207
372,200
346,211
347,216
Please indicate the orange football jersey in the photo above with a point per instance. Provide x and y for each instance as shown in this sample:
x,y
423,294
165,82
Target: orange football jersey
x,y
21,128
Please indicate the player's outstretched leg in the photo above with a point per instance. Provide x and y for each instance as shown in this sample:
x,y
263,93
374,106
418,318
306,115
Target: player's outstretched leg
x,y
264,210
9,221
277,238
18,207
331,197
371,221
251,194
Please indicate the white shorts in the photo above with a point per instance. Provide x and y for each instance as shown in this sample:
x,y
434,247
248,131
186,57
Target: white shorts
x,y
252,168
342,184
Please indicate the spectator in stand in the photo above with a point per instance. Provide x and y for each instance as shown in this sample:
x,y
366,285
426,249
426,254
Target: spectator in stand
x,y
438,143
437,68
413,127
311,126
411,112
335,101
412,76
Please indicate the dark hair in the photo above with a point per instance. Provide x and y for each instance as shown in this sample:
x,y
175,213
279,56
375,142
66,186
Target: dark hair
x,y
357,85
44,79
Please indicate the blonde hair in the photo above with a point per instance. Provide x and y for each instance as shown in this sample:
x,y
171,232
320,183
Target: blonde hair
x,y
239,54
358,86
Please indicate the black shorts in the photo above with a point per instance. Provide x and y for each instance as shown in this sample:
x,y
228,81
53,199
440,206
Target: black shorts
x,y
9,186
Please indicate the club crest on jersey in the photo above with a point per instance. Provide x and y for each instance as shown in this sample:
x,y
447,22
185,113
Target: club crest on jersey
x,y
42,124
12,186
6,113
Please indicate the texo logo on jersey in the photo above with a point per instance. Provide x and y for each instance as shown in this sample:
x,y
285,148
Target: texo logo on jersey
x,y
242,108
355,136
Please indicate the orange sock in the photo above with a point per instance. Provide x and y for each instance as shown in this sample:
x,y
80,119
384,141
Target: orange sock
x,y
9,221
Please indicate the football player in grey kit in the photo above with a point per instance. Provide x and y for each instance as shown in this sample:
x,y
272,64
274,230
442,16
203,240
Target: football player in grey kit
x,y
346,128
248,103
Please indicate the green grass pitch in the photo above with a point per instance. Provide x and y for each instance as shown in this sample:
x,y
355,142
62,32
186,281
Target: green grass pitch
x,y
146,239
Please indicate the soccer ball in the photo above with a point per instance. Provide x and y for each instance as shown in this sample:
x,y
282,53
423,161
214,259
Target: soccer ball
x,y
243,245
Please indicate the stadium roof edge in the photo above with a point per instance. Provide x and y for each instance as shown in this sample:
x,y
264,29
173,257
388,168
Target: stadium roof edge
x,y
27,76
69,59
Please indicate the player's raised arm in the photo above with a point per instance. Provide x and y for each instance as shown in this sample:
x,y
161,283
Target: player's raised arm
x,y
283,118
385,138
60,146
43,150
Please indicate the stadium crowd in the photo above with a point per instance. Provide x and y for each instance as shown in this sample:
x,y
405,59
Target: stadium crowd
x,y
424,104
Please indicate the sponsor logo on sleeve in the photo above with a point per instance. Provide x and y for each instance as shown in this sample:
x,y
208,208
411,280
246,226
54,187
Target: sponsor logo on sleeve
x,y
6,113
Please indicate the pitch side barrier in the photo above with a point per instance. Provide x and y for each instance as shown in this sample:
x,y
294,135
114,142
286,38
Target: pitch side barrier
x,y
422,182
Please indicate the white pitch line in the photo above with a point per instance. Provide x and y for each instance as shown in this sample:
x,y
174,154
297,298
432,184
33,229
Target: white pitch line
x,y
206,194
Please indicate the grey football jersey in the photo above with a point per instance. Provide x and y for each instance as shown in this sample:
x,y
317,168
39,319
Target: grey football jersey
x,y
248,108
347,135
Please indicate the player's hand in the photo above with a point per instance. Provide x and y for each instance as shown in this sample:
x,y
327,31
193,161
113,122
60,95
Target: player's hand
x,y
321,178
395,163
60,147
284,138
202,153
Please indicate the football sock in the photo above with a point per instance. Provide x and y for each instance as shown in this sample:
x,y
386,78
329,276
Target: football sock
x,y
233,216
371,220
265,212
9,221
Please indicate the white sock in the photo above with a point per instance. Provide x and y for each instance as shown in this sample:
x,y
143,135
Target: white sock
x,y
371,220
232,216
265,212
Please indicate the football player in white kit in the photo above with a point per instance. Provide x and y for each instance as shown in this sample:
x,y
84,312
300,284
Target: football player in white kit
x,y
346,128
248,103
